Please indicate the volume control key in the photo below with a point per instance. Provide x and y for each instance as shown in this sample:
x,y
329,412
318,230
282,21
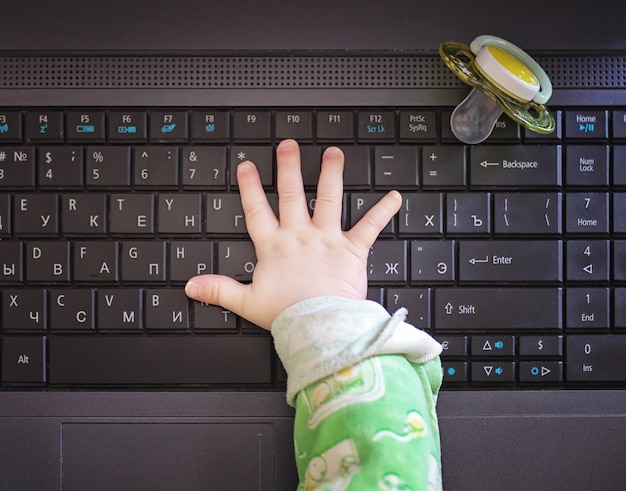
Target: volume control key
x,y
600,358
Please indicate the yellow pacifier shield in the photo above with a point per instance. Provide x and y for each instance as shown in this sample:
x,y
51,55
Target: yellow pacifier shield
x,y
507,72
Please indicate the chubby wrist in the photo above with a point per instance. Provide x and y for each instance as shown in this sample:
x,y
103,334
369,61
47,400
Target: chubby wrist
x,y
317,337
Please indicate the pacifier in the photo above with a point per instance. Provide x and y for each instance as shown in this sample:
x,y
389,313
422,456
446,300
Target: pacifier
x,y
504,79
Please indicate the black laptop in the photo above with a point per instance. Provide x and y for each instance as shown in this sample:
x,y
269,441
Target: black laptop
x,y
120,126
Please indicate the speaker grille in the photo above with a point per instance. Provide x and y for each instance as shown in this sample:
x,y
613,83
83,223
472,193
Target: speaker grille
x,y
279,72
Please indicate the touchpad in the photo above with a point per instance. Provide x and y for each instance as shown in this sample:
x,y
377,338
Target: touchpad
x,y
165,456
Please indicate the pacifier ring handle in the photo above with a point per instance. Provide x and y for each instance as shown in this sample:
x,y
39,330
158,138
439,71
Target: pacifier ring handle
x,y
545,91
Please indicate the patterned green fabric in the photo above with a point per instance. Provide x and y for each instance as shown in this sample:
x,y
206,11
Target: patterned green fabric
x,y
365,416
371,426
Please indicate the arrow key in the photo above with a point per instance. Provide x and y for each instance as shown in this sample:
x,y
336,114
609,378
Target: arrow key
x,y
496,372
493,346
544,372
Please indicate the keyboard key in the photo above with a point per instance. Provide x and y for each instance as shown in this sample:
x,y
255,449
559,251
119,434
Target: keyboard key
x,y
432,261
503,309
155,167
294,124
587,308
396,167
421,214
415,300
236,259
224,214
60,167
212,126
360,203
170,360
24,310
72,310
556,135
443,167
5,215
48,261
541,372
131,214
540,346
17,167
619,213
85,126
261,156
10,126
11,262
204,167
453,346
107,167
386,262
493,372
586,125
36,214
515,165
417,125
619,260
357,171
143,261
84,214
505,129
166,310
190,258
127,126
619,308
587,213
335,125
454,372
376,125
24,360
120,309
588,260
493,346
44,126
96,261
587,165
180,213
252,125
213,317
533,261
596,358
619,124
168,126
311,157
468,213
528,213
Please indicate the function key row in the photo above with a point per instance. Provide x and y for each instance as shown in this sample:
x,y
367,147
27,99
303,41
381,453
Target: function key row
x,y
217,125
380,124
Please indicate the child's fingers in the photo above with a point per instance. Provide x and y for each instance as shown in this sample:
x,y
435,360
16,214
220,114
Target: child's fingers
x,y
217,290
260,218
367,229
329,199
291,200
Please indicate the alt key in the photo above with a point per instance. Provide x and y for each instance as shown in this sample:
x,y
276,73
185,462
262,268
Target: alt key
x,y
23,360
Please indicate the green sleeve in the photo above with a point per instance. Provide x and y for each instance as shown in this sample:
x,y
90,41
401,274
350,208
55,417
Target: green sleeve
x,y
370,426
364,385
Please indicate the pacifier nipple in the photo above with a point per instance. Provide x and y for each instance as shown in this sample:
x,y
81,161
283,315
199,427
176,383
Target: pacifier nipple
x,y
504,79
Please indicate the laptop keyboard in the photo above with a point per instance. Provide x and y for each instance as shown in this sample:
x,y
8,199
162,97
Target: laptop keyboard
x,y
511,253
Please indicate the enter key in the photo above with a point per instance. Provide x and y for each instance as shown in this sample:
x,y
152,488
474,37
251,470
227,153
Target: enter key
x,y
537,261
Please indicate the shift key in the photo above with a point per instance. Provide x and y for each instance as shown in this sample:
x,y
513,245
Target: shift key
x,y
516,166
498,308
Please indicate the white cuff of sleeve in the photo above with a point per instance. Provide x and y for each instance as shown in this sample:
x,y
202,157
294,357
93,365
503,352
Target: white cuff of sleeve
x,y
320,336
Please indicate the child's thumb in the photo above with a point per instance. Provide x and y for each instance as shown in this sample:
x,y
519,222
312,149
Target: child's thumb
x,y
216,289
